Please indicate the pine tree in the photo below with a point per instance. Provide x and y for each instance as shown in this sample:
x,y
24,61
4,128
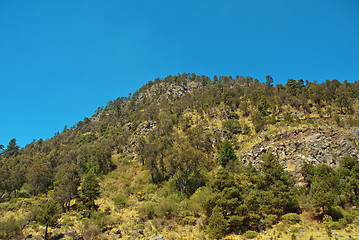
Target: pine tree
x,y
217,224
226,153
48,215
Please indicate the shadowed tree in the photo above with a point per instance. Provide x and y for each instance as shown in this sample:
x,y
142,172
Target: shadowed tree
x,y
66,183
89,192
12,149
349,178
324,191
48,215
226,153
38,176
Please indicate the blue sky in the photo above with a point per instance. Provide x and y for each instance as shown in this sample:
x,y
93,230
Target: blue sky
x,y
60,60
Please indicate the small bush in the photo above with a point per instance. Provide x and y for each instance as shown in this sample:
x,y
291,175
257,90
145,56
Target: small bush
x,y
8,227
288,117
291,218
281,227
119,200
335,225
189,220
349,217
90,231
101,220
309,120
233,126
190,205
343,222
246,129
66,220
167,208
270,220
217,225
294,229
338,120
336,213
250,234
356,221
148,210
199,200
272,119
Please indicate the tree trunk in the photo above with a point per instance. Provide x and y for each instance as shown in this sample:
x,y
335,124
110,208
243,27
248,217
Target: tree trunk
x,y
46,228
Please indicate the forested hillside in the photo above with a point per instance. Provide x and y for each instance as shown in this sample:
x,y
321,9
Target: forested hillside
x,y
190,156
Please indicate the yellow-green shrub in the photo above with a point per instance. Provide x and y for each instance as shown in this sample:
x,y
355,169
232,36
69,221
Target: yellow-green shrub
x,y
250,234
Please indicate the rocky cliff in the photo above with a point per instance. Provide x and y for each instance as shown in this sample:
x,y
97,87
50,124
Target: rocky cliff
x,y
312,145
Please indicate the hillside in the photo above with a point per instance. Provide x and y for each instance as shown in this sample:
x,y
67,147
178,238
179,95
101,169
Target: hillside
x,y
192,157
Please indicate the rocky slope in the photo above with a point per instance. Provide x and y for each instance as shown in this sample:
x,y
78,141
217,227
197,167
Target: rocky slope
x,y
312,145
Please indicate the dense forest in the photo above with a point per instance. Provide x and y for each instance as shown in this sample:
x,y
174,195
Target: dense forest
x,y
172,152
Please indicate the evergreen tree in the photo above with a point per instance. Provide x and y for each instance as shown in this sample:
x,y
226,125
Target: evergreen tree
x,y
12,149
66,183
89,192
226,153
217,225
48,215
349,178
324,191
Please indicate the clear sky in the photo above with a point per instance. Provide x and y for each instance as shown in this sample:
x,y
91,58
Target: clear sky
x,y
60,60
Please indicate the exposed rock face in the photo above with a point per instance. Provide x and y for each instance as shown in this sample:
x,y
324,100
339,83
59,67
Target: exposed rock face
x,y
292,149
145,127
169,90
142,130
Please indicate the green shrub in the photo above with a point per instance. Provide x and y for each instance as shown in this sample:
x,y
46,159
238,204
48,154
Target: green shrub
x,y
189,220
356,221
270,220
190,205
233,126
66,220
90,231
259,122
167,208
272,119
338,120
119,200
288,117
349,217
336,213
335,225
8,227
281,227
217,225
250,234
343,222
148,209
199,200
100,219
291,218
246,129
294,229
309,120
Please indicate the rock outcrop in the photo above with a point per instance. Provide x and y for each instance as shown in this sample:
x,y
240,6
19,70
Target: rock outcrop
x,y
315,146
169,90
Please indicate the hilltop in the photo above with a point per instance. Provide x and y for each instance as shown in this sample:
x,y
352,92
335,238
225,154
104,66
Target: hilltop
x,y
188,156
